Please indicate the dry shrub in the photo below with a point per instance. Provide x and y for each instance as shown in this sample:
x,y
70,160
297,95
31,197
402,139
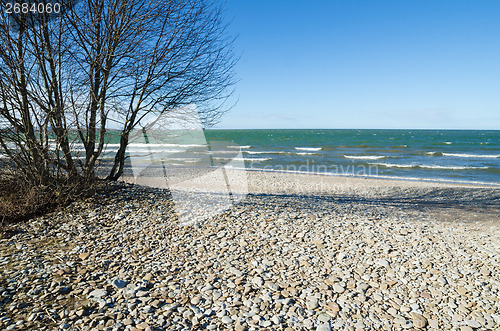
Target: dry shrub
x,y
21,200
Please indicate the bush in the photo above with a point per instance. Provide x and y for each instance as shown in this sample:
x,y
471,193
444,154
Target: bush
x,y
21,200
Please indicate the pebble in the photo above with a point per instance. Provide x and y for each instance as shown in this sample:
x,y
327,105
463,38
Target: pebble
x,y
324,327
258,281
226,320
118,283
383,263
337,288
97,293
312,303
273,261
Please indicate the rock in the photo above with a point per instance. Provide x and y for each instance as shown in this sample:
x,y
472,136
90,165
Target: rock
x,y
227,320
62,290
461,290
257,281
323,317
142,326
276,319
332,306
312,303
473,323
83,256
426,295
324,327
221,313
188,314
392,311
338,289
141,294
239,327
383,263
485,271
442,280
99,293
418,320
266,323
127,321
118,283
273,287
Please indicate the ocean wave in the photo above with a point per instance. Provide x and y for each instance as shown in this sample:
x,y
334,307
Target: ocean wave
x,y
427,166
308,148
472,155
264,152
244,147
246,159
157,145
365,157
257,159
305,153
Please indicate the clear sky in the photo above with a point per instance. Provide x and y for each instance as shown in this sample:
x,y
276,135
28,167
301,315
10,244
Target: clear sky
x,y
366,64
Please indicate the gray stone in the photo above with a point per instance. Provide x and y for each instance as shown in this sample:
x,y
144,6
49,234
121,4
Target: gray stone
x,y
323,317
118,283
338,289
276,319
383,263
312,303
324,327
258,281
273,287
141,294
97,293
227,320
473,323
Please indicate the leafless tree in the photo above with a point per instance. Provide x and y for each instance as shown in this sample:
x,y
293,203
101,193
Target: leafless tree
x,y
66,79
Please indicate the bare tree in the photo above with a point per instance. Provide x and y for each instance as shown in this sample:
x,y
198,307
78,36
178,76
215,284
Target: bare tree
x,y
65,78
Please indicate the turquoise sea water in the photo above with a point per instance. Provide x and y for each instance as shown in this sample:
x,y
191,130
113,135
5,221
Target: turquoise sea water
x,y
451,155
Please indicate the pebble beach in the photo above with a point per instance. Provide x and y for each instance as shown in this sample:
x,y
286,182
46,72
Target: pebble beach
x,y
299,252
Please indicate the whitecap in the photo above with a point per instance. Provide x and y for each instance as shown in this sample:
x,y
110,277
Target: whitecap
x,y
365,157
472,155
308,148
427,166
264,152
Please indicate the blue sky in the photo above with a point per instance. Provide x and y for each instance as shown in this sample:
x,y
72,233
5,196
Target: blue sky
x,y
366,64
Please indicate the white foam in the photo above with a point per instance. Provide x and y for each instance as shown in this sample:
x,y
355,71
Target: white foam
x,y
244,147
364,157
448,142
426,166
305,153
157,145
253,159
472,155
393,165
264,152
248,159
450,167
308,148
384,177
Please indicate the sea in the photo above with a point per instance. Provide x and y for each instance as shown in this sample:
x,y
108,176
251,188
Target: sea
x,y
467,156
439,155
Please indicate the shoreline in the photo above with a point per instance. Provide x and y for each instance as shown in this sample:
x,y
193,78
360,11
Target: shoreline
x,y
381,177
297,252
